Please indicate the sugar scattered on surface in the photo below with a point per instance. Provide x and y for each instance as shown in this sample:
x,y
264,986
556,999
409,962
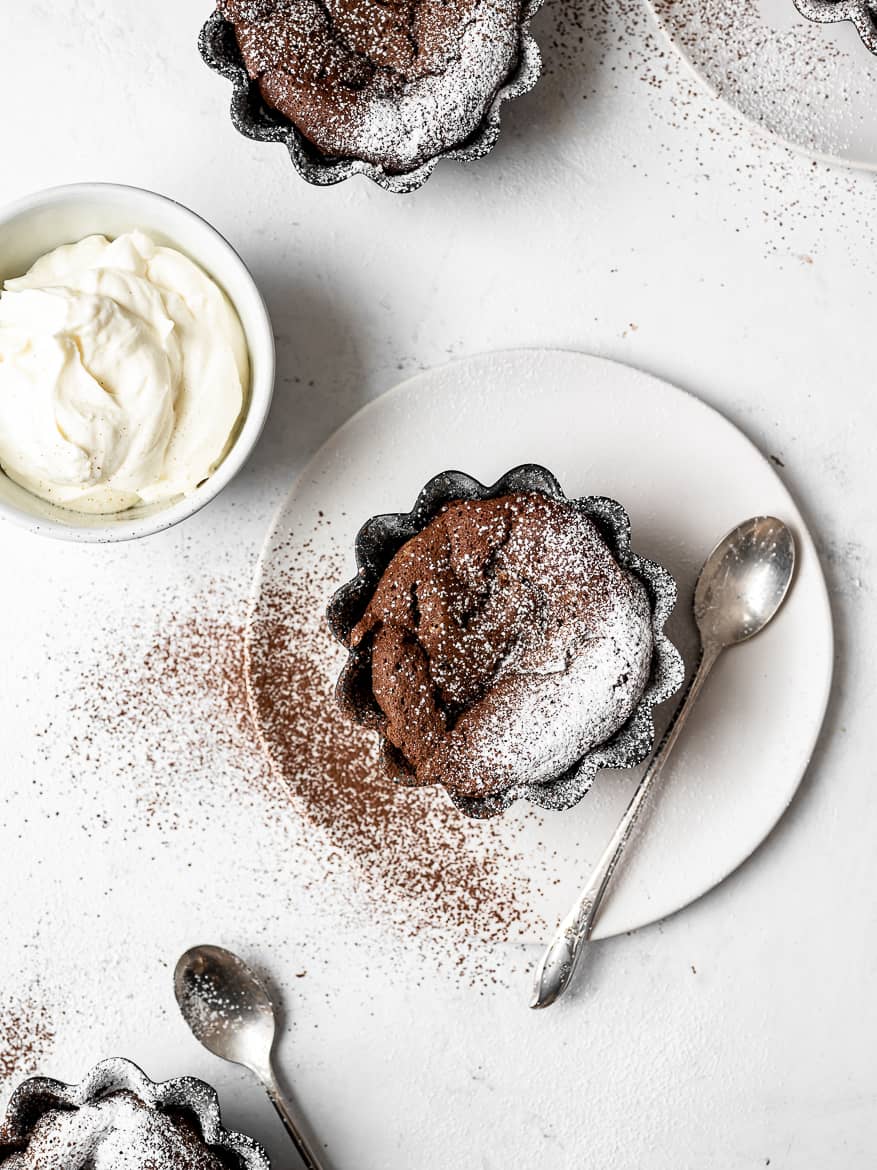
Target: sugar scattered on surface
x,y
754,63
609,55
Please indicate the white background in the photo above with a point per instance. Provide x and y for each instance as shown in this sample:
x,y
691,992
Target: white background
x,y
623,213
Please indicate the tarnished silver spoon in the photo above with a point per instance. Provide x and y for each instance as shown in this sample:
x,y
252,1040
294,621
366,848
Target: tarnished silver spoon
x,y
740,588
231,1014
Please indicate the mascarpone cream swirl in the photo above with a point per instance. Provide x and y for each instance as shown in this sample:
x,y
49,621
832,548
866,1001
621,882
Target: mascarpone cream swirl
x,y
123,374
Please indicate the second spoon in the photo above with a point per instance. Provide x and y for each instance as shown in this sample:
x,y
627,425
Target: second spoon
x,y
740,588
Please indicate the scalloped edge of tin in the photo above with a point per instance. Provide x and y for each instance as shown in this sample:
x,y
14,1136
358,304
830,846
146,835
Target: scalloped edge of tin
x,y
37,1095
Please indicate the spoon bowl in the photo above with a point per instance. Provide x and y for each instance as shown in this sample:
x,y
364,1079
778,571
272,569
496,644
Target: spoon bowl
x,y
226,1005
743,582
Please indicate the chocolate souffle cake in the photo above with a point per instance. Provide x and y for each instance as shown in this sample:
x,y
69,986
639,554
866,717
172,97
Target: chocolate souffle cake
x,y
390,82
116,1132
501,644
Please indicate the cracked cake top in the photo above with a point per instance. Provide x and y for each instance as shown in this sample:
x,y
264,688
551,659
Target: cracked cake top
x,y
505,642
392,82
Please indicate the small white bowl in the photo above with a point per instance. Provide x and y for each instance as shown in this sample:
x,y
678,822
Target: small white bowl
x,y
40,222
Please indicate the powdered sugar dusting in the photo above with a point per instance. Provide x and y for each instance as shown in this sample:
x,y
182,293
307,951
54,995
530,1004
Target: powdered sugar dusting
x,y
117,1132
541,725
391,85
440,110
213,1005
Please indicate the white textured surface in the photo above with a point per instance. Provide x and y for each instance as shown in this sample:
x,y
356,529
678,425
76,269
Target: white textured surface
x,y
645,223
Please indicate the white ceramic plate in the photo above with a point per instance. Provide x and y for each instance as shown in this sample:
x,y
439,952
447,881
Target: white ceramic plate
x,y
686,476
812,85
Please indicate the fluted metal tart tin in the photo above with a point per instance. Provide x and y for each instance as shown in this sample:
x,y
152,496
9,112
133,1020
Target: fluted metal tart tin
x,y
186,1096
254,118
862,13
381,537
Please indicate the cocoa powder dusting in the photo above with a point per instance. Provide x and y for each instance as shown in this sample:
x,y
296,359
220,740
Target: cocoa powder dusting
x,y
26,1034
412,844
181,690
172,700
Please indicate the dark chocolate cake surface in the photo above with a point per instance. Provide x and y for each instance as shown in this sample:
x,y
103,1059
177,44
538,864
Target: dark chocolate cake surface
x,y
505,642
392,82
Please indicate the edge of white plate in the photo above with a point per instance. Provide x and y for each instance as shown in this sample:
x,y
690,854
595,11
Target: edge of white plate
x,y
761,130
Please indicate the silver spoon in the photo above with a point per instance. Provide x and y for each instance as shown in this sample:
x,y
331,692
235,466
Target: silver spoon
x,y
229,1011
740,588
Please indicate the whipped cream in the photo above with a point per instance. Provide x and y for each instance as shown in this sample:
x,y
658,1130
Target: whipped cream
x,y
123,374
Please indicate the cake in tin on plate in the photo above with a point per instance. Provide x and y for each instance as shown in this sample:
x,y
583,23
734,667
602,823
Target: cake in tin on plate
x,y
505,641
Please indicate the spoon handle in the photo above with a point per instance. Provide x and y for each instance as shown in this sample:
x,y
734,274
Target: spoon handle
x,y
290,1121
559,961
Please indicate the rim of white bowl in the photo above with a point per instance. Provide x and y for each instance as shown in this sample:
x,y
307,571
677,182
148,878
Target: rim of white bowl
x,y
260,339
